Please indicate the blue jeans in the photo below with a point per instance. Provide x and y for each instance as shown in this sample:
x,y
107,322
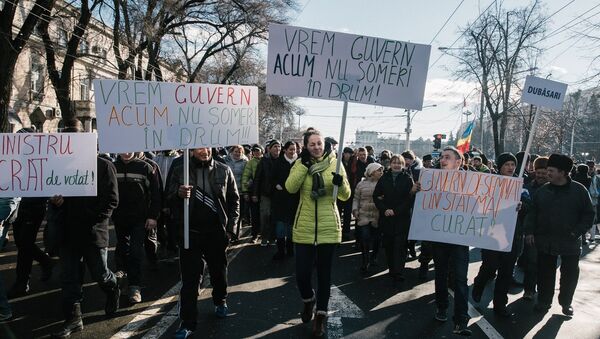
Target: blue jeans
x,y
129,252
72,262
283,230
307,256
445,255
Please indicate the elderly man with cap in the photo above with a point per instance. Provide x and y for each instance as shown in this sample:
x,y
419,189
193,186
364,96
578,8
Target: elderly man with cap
x,y
263,190
560,214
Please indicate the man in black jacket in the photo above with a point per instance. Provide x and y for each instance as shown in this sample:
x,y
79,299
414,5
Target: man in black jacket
x,y
138,211
560,214
214,210
85,239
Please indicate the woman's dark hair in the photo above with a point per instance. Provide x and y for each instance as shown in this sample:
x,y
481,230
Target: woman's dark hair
x,y
286,146
309,132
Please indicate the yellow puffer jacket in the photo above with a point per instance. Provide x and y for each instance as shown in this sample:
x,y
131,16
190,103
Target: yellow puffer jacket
x,y
317,221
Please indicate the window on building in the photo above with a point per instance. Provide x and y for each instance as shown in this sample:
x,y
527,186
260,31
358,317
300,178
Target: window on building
x,y
62,38
36,78
84,46
84,88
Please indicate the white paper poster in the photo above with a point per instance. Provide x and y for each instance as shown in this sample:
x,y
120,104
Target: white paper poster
x,y
149,116
466,208
346,67
47,164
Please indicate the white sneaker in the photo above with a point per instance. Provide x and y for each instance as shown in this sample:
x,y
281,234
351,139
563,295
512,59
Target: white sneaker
x,y
135,295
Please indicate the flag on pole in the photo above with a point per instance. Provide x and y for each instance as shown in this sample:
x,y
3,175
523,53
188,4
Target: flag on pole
x,y
465,139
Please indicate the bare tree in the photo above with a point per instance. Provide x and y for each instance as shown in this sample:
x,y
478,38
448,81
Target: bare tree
x,y
495,48
221,26
12,44
61,78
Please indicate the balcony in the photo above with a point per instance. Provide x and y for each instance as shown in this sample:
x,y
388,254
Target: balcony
x,y
84,108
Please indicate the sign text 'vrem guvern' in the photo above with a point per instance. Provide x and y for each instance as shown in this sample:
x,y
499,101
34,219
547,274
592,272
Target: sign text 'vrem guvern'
x,y
346,67
466,208
544,92
47,164
146,115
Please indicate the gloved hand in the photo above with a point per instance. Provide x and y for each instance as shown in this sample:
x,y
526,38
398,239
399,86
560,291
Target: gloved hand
x,y
338,179
305,158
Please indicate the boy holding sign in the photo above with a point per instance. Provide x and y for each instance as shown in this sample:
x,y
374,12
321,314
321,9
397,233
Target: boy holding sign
x,y
445,255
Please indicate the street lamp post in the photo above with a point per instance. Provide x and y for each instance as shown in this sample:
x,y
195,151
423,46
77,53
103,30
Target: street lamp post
x,y
409,121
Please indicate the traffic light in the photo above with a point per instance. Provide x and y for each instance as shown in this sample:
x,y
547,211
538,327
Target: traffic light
x,y
437,140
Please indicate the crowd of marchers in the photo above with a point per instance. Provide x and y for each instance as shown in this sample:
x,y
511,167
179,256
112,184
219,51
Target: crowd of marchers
x,y
285,193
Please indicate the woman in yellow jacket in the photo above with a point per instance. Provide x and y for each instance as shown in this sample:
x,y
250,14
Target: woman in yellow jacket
x,y
317,227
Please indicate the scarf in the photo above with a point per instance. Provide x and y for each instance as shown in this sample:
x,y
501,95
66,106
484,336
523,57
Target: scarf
x,y
318,185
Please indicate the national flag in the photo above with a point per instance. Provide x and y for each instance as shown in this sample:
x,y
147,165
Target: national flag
x,y
465,139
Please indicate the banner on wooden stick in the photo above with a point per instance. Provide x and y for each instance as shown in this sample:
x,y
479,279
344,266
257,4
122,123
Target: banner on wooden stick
x,y
466,208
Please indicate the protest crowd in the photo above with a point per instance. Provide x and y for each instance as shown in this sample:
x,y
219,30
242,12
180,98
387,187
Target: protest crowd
x,y
285,192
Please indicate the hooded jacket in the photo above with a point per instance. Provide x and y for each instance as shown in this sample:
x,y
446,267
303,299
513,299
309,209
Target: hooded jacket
x,y
317,221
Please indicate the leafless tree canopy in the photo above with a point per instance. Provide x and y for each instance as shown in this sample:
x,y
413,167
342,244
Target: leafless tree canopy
x,y
495,48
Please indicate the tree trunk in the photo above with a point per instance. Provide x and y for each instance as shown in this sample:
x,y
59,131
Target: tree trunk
x,y
9,60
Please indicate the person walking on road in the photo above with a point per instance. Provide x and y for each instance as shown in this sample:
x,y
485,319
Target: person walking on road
x,y
502,263
214,209
560,214
284,203
529,251
393,200
451,257
317,228
248,187
367,215
263,190
85,241
138,212
236,160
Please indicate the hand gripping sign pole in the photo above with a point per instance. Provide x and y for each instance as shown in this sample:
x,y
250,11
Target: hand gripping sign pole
x,y
340,148
186,201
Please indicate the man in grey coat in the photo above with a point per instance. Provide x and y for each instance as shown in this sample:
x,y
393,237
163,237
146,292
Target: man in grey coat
x,y
560,214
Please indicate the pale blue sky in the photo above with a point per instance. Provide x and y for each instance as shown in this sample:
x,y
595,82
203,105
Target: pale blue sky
x,y
419,21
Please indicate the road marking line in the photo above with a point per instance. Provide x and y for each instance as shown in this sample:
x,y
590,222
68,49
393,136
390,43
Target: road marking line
x,y
171,314
479,320
340,306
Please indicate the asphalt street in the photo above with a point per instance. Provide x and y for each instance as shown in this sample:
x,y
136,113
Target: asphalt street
x,y
264,302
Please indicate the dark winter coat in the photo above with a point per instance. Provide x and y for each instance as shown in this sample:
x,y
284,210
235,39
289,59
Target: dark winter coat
x,y
85,219
283,203
224,192
395,195
139,191
558,217
263,179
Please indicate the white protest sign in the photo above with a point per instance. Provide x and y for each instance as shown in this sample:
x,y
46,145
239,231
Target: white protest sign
x,y
346,67
466,208
44,164
544,92
148,116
